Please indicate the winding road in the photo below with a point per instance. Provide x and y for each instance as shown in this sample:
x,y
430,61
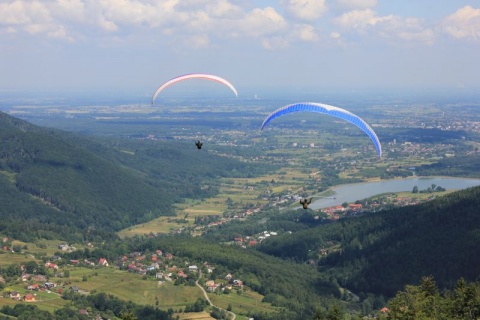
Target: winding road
x,y
233,315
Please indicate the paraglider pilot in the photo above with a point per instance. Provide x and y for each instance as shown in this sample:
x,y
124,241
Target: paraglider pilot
x,y
305,202
199,144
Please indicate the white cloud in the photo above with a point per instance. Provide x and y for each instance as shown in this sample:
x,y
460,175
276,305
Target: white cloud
x,y
305,9
223,9
463,24
306,33
34,17
357,4
391,27
357,19
22,13
61,33
262,22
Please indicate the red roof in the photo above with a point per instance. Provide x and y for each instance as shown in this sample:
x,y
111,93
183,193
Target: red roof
x,y
29,297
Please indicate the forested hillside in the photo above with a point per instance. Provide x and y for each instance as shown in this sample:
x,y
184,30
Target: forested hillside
x,y
459,166
381,252
55,184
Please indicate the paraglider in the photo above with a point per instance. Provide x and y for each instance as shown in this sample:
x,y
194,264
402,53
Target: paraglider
x,y
193,76
305,202
199,144
329,110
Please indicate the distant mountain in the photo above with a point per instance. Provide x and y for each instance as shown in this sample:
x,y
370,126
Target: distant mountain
x,y
382,252
56,184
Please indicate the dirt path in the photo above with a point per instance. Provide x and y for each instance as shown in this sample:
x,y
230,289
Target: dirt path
x,y
233,315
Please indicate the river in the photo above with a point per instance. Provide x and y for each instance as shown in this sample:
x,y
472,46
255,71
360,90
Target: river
x,y
359,191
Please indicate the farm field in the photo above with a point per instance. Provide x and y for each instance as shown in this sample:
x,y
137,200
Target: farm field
x,y
242,303
133,287
234,194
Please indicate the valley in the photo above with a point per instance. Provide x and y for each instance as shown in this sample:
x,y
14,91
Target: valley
x,y
135,191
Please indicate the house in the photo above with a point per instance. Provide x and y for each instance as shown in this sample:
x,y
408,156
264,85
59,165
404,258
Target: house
x,y
213,287
51,265
193,268
34,286
103,262
209,283
39,278
229,276
83,312
63,247
181,274
15,295
355,207
238,283
88,263
29,298
140,258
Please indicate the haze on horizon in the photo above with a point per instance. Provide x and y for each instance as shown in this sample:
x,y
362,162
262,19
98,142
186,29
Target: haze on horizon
x,y
82,45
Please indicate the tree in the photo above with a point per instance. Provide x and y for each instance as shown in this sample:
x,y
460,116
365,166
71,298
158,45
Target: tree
x,y
335,313
415,189
128,316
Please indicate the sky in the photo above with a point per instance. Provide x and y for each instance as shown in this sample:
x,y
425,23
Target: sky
x,y
136,45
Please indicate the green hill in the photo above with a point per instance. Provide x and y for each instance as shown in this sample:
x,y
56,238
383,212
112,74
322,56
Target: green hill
x,y
56,184
381,252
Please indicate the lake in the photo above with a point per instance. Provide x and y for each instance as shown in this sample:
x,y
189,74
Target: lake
x,y
359,191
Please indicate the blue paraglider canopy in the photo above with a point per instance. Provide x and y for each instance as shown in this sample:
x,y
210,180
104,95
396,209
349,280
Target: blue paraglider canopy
x,y
329,110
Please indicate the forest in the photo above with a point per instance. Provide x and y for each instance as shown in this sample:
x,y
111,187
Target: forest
x,y
380,252
99,187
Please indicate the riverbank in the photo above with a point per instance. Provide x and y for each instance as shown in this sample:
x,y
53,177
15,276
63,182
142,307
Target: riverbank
x,y
358,191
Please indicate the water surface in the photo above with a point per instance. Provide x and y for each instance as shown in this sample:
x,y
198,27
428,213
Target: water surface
x,y
359,191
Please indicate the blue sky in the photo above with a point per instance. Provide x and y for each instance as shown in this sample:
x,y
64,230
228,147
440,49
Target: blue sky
x,y
95,45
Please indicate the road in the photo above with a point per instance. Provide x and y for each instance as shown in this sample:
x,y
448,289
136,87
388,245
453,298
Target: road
x,y
232,315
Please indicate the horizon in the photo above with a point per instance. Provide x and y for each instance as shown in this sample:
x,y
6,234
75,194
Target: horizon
x,y
139,44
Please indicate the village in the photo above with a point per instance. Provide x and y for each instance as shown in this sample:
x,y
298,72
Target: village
x,y
53,275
